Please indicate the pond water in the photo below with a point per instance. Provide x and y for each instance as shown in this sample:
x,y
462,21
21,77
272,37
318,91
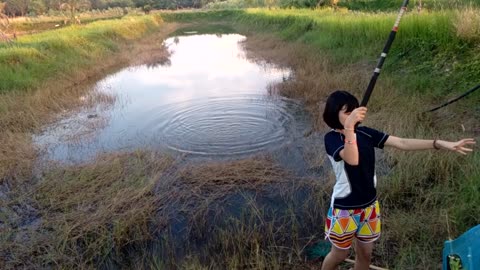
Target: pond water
x,y
208,100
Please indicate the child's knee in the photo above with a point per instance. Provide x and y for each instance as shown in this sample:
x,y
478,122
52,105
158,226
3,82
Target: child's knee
x,y
364,251
340,254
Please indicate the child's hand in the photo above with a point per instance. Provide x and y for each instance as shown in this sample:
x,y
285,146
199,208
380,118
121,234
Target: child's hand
x,y
356,116
459,147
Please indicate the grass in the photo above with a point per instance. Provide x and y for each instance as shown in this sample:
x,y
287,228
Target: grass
x,y
375,5
114,211
115,208
241,214
30,25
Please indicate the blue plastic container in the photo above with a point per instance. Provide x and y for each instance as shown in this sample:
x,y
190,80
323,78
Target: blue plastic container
x,y
465,250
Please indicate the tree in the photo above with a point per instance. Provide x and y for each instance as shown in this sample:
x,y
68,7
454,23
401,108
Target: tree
x,y
4,23
37,7
16,7
72,7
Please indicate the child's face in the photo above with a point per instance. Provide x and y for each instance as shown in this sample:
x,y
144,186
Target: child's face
x,y
343,115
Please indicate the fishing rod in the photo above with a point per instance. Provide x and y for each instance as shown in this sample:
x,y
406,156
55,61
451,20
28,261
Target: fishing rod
x,y
383,55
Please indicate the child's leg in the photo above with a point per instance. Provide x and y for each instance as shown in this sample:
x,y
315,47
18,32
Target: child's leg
x,y
363,255
340,229
334,258
368,232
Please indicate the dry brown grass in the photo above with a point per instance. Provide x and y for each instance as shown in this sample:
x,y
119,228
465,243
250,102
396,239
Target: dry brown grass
x,y
87,215
87,212
277,216
467,24
218,179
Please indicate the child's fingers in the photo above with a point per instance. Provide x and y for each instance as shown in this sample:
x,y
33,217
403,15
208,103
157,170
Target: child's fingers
x,y
465,149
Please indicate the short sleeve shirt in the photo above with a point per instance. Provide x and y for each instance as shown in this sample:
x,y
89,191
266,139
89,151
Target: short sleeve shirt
x,y
355,186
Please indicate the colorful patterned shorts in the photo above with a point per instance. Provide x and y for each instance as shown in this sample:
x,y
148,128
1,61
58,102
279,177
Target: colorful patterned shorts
x,y
342,226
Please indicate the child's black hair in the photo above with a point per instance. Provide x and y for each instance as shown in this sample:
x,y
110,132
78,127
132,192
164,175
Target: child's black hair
x,y
334,105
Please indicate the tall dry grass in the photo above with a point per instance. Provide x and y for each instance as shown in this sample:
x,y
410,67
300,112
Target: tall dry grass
x,y
84,213
241,214
467,24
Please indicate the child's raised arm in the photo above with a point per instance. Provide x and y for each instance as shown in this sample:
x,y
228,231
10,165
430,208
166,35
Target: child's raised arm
x,y
463,146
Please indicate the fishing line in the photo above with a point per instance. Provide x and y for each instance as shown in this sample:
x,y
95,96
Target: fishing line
x,y
456,99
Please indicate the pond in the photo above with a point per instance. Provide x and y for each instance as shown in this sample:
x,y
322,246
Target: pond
x,y
208,99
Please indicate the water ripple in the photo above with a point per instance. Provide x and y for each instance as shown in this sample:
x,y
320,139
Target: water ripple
x,y
224,126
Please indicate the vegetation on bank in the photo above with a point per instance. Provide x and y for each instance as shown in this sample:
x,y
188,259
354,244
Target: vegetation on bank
x,y
34,59
35,24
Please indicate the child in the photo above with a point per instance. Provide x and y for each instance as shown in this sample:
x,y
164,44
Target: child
x,y
354,211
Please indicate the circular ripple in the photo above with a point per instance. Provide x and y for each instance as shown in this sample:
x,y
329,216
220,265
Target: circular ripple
x,y
224,126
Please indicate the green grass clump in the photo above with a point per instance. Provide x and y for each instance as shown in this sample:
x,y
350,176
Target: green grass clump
x,y
390,5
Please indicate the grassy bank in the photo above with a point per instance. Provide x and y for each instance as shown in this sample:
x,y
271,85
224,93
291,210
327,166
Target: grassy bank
x,y
434,58
31,60
115,209
35,24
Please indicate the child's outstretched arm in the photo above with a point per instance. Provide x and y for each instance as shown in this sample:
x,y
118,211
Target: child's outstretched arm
x,y
463,146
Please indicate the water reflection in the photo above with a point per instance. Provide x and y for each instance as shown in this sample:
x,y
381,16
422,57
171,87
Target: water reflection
x,y
206,99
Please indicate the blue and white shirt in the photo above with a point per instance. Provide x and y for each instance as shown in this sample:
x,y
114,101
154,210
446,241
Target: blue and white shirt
x,y
355,186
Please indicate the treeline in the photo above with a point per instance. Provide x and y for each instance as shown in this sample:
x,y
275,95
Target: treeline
x,y
13,8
